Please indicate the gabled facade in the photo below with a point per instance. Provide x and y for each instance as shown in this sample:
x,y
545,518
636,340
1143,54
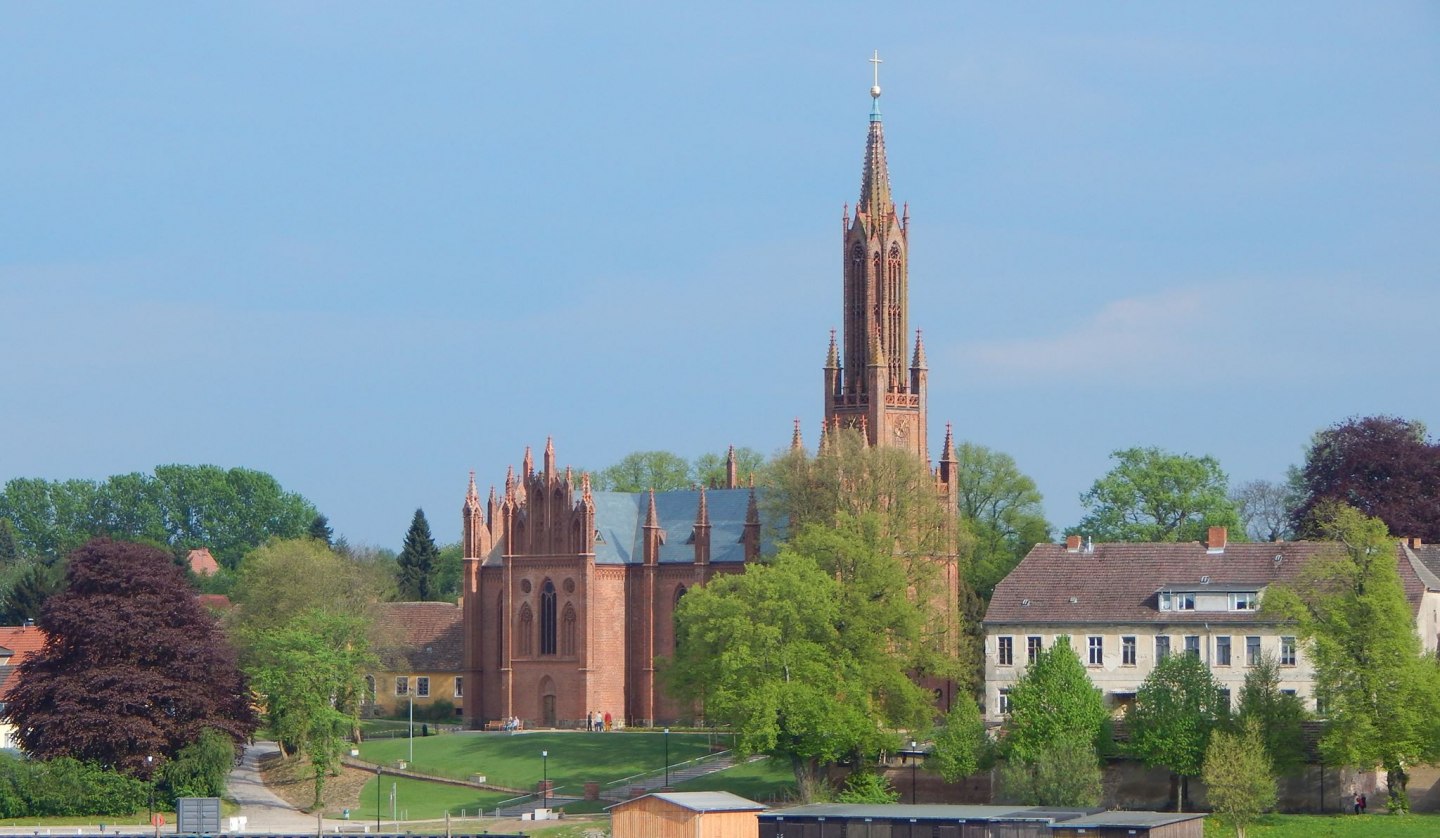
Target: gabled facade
x,y
419,651
570,594
1125,606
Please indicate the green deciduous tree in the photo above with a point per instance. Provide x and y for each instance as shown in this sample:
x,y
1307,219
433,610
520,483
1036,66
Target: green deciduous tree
x,y
864,786
1279,716
285,578
1238,776
1382,693
640,471
810,684
1053,700
1065,772
962,747
416,564
1001,506
309,671
29,588
1265,509
200,769
9,547
133,665
1176,709
1153,495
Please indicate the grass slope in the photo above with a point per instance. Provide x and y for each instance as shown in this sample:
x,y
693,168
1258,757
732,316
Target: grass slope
x,y
765,781
514,761
1334,826
416,799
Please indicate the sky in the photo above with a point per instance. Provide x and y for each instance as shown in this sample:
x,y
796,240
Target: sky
x,y
368,248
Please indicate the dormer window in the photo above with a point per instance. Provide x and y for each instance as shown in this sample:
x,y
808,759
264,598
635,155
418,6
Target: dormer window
x,y
1244,601
1177,601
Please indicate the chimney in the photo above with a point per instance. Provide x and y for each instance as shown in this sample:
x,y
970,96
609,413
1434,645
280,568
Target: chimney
x,y
1216,541
1072,544
1415,541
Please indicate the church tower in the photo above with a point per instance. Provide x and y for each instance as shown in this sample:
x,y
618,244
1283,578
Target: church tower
x,y
871,388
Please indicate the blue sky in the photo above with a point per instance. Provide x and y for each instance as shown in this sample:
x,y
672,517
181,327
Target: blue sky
x,y
370,247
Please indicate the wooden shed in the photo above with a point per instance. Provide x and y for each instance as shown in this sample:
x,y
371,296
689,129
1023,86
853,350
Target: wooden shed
x,y
685,814
1126,824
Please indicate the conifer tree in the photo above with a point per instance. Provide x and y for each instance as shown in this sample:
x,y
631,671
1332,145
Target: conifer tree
x,y
9,549
416,562
320,531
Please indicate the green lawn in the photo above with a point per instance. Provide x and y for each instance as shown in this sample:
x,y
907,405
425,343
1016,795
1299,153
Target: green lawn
x,y
418,799
1334,826
763,781
514,761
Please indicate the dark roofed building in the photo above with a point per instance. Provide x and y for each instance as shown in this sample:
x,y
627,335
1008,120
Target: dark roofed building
x,y
420,648
1126,605
832,820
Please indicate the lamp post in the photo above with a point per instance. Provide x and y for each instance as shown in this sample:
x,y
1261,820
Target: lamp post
x,y
412,728
914,762
150,776
667,757
379,770
544,779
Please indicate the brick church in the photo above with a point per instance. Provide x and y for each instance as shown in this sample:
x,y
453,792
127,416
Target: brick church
x,y
569,594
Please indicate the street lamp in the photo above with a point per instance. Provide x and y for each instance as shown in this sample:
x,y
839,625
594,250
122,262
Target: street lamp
x,y
379,769
667,757
914,762
412,730
150,775
544,779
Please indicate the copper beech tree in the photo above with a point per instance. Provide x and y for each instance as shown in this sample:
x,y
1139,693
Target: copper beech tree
x,y
133,666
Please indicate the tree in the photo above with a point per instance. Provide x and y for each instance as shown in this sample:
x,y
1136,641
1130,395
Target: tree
x,y
200,769
33,584
1383,466
1279,716
230,511
1002,508
1054,700
1264,509
1238,776
309,672
1065,772
417,561
640,471
9,548
865,786
813,684
320,530
1153,495
1176,708
1381,692
710,469
285,578
133,665
962,747
448,566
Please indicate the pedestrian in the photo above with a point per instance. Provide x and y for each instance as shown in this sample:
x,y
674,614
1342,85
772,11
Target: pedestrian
x,y
1363,803
589,719
1355,801
608,721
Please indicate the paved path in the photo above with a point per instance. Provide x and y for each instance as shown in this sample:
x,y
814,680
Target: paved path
x,y
263,810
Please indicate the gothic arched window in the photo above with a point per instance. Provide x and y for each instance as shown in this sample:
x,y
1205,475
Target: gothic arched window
x,y
527,628
547,618
894,299
567,630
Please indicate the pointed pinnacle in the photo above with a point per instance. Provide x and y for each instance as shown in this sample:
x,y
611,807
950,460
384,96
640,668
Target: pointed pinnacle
x,y
796,442
918,362
947,454
702,514
832,358
652,519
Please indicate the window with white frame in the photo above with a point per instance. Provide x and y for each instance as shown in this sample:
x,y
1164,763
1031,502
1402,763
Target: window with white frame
x,y
1192,645
1127,650
459,686
1244,601
422,686
1005,702
1005,651
1032,648
1287,651
1097,650
1162,648
1170,601
402,684
1252,651
1222,651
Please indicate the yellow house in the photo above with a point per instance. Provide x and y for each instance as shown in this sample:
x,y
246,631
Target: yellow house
x,y
420,647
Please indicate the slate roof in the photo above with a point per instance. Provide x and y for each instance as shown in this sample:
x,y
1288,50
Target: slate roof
x,y
1121,820
1118,583
929,812
705,801
620,520
419,636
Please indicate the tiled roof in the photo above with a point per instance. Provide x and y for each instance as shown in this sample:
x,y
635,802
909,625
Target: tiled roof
x,y
1118,583
202,563
216,602
21,641
419,636
620,518
709,801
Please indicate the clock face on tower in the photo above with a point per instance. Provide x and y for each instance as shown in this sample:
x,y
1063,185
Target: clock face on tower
x,y
902,427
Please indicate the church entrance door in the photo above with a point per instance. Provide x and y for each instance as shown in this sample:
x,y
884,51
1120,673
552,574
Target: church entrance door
x,y
547,710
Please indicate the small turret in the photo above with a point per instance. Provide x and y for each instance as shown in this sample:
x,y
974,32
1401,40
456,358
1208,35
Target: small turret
x,y
797,442
732,470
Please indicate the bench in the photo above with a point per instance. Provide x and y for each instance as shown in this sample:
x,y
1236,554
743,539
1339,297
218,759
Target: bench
x,y
495,725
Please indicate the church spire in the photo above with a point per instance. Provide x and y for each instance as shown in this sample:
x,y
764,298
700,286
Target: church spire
x,y
918,362
875,181
797,443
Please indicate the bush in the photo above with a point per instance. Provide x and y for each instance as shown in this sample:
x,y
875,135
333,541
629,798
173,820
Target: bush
x,y
201,768
65,788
